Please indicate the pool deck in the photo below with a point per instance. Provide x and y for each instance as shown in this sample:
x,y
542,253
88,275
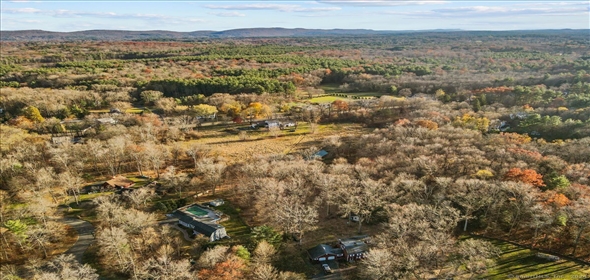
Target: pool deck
x,y
200,212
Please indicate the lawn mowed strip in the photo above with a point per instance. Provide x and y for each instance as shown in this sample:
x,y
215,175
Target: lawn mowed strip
x,y
520,262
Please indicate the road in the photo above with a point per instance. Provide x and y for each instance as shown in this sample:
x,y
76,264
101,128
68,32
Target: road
x,y
85,237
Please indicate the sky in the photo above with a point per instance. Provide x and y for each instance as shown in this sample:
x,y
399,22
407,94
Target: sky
x,y
69,15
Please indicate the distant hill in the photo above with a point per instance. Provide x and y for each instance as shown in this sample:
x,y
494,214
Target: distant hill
x,y
116,35
122,35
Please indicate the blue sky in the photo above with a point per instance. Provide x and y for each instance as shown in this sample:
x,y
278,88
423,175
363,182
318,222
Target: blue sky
x,y
324,14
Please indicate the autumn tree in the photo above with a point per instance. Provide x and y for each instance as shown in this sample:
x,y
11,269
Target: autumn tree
x,y
340,106
32,113
204,110
528,176
256,110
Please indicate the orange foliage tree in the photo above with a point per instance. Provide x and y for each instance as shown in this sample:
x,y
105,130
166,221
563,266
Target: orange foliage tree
x,y
427,124
528,176
233,268
340,105
557,199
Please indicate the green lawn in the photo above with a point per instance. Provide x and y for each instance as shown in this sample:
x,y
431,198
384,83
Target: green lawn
x,y
327,99
234,227
519,262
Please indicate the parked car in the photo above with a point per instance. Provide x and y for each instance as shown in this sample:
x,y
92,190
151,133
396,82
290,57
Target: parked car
x,y
327,268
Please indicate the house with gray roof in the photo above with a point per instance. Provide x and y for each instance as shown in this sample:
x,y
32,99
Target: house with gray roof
x,y
201,220
324,252
354,248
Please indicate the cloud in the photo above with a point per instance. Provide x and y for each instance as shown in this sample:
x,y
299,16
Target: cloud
x,y
22,11
533,9
14,21
82,14
373,3
274,7
228,14
511,11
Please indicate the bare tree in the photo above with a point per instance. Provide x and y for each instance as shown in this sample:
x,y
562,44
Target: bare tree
x,y
72,183
579,217
141,196
155,155
163,266
213,256
264,271
471,196
46,182
114,247
264,253
541,216
177,180
115,155
66,267
378,265
196,152
362,198
211,171
476,256
294,216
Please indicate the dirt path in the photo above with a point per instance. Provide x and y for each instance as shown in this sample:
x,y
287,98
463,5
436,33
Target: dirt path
x,y
85,237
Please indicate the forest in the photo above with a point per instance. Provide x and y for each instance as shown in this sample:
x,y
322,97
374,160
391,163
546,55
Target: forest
x,y
452,154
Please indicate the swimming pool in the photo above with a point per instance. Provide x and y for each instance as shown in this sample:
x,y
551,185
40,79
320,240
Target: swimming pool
x,y
197,211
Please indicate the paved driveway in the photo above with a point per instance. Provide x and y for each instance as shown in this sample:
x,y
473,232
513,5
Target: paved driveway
x,y
85,237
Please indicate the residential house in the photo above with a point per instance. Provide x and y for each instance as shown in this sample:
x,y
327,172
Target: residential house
x,y
354,248
201,220
118,182
324,252
271,123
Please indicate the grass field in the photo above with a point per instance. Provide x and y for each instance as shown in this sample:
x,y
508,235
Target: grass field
x,y
260,142
327,99
521,263
133,110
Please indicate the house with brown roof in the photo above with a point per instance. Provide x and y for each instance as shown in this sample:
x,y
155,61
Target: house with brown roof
x,y
118,182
